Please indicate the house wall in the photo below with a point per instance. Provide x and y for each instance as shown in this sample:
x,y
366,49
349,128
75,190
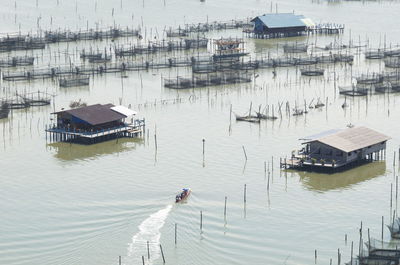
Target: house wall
x,y
321,151
259,27
286,30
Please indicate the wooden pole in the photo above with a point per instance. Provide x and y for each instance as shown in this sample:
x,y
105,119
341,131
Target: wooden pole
x,y
230,116
148,250
394,158
143,260
162,254
244,151
204,142
176,228
351,253
201,221
119,260
369,241
382,228
244,193
225,207
397,189
265,169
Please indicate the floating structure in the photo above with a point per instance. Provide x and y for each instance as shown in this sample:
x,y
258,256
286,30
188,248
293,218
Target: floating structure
x,y
91,34
295,47
27,100
161,46
377,253
74,80
337,149
20,43
17,61
312,71
213,26
392,62
230,49
95,123
374,54
36,99
90,55
213,79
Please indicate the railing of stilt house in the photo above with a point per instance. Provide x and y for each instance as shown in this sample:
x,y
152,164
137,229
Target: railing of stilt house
x,y
138,124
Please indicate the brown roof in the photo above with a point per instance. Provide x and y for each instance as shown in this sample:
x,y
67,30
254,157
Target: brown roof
x,y
95,114
353,139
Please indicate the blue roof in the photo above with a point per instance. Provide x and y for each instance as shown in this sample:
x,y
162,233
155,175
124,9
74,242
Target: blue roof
x,y
282,20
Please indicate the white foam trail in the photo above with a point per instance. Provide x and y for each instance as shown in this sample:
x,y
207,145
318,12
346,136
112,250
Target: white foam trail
x,y
149,230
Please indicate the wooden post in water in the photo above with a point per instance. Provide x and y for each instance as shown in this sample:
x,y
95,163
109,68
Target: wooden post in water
x,y
119,260
176,228
162,254
369,241
315,256
360,242
382,228
397,189
244,193
143,260
265,169
201,221
225,207
351,253
204,143
230,117
244,151
155,141
391,199
148,250
394,158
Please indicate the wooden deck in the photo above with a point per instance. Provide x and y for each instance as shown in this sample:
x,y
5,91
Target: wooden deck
x,y
296,162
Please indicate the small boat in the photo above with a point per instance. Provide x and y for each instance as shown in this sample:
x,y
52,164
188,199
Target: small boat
x,y
253,119
183,195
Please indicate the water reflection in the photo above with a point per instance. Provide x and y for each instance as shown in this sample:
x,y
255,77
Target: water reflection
x,y
70,152
342,180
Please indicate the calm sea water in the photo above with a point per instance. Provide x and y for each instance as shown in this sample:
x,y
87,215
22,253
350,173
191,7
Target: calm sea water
x,y
73,204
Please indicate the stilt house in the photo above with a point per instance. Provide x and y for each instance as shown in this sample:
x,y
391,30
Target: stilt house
x,y
339,148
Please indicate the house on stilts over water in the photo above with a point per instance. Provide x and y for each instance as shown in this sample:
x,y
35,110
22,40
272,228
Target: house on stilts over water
x,y
279,25
338,149
95,123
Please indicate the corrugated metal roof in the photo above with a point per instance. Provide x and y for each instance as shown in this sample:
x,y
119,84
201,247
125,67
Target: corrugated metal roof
x,y
319,135
124,111
282,20
353,139
95,114
308,22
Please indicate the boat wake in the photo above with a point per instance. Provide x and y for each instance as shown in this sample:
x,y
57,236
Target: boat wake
x,y
149,230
